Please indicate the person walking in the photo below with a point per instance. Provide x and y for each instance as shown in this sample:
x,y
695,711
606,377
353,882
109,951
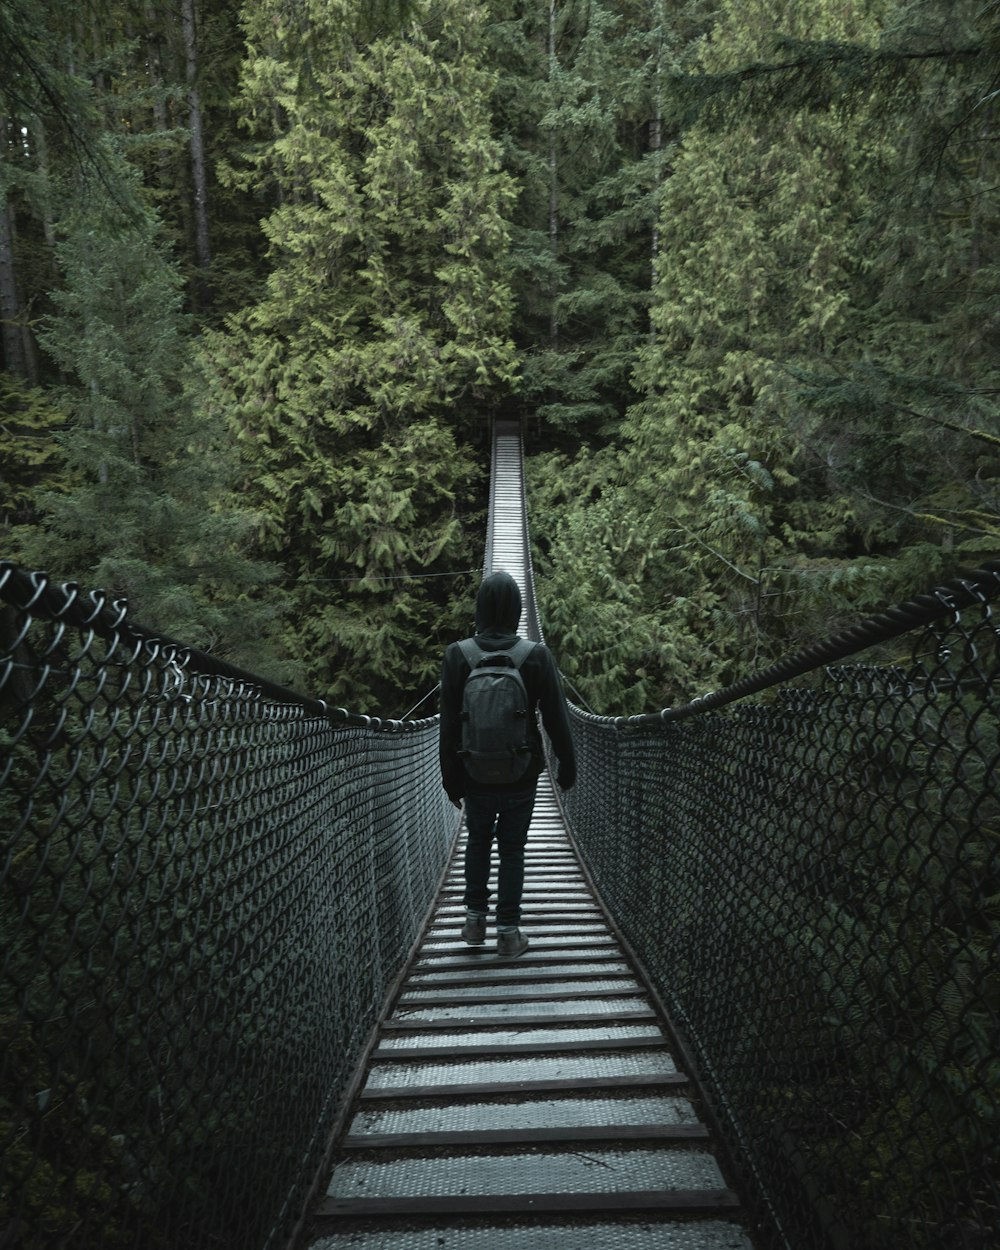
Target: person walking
x,y
500,810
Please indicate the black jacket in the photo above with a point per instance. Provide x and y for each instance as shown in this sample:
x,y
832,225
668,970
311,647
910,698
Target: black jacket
x,y
498,610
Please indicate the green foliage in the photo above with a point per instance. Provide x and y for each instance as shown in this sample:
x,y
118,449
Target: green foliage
x,y
381,336
38,83
745,247
818,425
142,520
30,454
573,101
619,647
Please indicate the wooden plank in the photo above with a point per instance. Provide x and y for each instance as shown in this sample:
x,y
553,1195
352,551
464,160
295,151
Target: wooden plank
x,y
540,890
513,974
396,1025
688,1202
483,1089
447,930
528,1136
582,937
545,905
533,959
541,961
448,1000
531,910
557,867
456,1051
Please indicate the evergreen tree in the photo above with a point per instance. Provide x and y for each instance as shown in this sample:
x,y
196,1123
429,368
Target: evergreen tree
x,y
30,457
810,385
624,649
574,102
115,478
818,432
381,334
146,470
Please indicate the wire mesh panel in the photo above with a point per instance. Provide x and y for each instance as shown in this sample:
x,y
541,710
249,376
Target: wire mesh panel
x,y
206,890
813,881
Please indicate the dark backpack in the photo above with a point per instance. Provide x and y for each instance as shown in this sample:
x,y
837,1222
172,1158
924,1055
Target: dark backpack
x,y
496,717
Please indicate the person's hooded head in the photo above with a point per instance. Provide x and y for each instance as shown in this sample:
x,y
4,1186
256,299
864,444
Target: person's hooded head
x,y
498,604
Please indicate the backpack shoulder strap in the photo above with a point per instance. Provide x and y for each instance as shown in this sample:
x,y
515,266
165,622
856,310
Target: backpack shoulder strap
x,y
472,651
520,651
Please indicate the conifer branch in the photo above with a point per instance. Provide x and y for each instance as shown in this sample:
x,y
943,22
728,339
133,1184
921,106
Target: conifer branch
x,y
754,581
828,55
852,65
990,439
983,530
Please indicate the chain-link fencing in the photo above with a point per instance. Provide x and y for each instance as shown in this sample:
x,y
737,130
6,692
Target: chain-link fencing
x,y
207,888
813,881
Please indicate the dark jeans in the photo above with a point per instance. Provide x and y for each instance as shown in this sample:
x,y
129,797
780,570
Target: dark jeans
x,y
506,816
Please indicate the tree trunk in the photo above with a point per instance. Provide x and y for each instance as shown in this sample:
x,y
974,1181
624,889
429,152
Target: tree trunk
x,y
38,135
656,143
203,251
15,360
14,356
553,190
154,61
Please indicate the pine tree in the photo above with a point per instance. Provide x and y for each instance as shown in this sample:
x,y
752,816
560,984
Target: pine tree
x,y
574,101
819,426
382,332
116,479
754,271
623,647
146,471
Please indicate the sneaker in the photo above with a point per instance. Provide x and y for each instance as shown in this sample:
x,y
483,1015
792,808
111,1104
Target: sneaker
x,y
474,930
511,943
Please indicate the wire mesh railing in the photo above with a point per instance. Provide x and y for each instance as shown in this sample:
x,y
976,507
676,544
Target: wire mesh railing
x,y
812,880
208,885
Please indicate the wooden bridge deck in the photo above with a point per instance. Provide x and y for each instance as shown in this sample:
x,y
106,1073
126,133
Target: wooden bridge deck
x,y
528,1104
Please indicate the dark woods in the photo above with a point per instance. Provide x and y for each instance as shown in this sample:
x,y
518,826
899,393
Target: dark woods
x,y
267,273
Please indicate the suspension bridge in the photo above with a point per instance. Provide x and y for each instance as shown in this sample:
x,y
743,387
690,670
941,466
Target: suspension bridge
x,y
759,1009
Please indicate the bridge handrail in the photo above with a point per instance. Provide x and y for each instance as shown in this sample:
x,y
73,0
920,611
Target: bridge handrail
x,y
108,618
811,878
209,884
978,586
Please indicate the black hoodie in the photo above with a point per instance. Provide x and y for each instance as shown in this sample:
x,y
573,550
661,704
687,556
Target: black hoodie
x,y
498,611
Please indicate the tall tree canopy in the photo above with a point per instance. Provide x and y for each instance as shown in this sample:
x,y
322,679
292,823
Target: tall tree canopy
x,y
117,477
380,341
817,433
266,273
575,101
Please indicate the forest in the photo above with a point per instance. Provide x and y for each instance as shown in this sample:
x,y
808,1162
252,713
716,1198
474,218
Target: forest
x,y
269,270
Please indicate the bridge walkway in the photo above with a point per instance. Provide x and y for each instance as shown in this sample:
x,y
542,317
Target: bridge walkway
x,y
536,1102
528,1104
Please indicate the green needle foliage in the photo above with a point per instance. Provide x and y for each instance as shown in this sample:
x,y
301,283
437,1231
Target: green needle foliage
x,y
818,427
380,342
140,512
29,453
574,99
733,263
